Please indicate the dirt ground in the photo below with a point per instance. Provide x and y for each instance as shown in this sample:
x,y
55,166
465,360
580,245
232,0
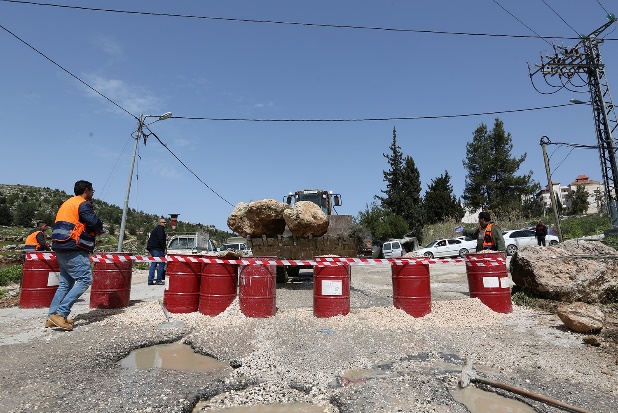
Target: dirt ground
x,y
375,359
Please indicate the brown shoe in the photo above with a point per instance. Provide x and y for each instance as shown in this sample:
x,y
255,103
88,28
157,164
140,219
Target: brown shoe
x,y
48,323
59,321
69,320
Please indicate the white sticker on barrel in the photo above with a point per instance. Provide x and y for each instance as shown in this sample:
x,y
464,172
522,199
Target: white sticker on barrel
x,y
491,282
505,282
332,287
167,283
53,278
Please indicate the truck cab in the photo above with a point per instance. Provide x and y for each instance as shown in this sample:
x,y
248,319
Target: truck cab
x,y
324,199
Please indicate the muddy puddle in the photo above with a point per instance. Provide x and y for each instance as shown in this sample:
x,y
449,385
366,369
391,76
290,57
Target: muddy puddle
x,y
480,401
175,356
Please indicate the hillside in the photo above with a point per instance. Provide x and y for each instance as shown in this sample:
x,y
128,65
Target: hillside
x,y
21,206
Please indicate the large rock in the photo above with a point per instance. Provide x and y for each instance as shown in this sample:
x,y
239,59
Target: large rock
x,y
257,218
581,317
575,270
306,219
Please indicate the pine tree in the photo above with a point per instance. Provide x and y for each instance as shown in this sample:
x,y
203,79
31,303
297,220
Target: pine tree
x,y
491,182
413,211
393,196
579,200
440,202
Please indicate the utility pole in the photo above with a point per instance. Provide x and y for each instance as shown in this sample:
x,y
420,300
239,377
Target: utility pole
x,y
566,67
550,187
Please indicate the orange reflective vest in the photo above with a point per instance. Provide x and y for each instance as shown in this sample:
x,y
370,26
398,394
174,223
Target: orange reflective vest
x,y
68,231
488,239
31,243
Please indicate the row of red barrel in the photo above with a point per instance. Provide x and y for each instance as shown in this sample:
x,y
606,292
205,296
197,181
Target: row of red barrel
x,y
211,287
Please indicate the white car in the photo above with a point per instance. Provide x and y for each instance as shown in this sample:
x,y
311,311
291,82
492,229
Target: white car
x,y
392,249
452,247
237,246
513,240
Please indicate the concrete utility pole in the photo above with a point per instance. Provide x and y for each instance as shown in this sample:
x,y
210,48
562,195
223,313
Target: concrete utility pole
x,y
550,187
567,66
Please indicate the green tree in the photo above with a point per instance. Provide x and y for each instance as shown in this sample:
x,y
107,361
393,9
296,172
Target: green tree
x,y
25,214
440,202
402,196
491,182
532,208
382,223
579,201
6,218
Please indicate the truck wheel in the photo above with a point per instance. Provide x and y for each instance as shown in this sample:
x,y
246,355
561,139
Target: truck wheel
x,y
282,275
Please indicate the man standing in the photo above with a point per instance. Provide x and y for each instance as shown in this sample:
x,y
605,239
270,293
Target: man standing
x,y
488,235
157,247
35,241
73,239
540,233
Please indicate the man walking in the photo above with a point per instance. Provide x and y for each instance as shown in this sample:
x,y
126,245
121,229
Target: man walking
x,y
157,247
35,241
73,239
540,233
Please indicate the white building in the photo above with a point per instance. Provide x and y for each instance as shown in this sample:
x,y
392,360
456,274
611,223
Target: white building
x,y
594,189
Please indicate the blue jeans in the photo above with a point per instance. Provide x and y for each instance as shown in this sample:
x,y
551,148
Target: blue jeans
x,y
75,278
160,266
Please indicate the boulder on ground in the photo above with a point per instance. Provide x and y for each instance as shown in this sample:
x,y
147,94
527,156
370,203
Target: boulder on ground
x,y
306,219
257,218
581,317
575,270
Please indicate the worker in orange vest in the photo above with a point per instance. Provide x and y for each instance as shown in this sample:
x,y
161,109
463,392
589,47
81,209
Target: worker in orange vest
x,y
488,235
35,241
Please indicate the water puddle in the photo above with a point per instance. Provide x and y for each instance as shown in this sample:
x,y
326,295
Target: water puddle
x,y
479,401
175,356
269,408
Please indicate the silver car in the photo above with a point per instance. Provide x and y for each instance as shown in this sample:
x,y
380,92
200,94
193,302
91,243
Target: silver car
x,y
514,240
453,247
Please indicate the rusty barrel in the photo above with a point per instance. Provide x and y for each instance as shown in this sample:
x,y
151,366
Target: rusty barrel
x,y
488,281
331,290
257,288
182,284
411,291
217,287
111,283
39,282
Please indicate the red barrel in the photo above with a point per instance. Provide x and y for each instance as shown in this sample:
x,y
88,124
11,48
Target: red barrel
x,y
257,289
217,287
489,281
111,284
411,291
182,285
331,290
39,282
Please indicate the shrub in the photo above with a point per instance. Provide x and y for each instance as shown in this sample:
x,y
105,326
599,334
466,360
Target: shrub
x,y
10,274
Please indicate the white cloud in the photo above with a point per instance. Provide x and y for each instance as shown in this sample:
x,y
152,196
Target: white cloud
x,y
110,47
135,99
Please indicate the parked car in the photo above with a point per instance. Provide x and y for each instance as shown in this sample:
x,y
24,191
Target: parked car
x,y
237,246
452,247
392,249
515,239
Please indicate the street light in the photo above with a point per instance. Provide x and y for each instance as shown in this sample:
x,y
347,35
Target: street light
x,y
138,135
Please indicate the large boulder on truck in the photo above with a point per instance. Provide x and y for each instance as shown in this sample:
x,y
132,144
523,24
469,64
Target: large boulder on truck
x,y
306,219
258,218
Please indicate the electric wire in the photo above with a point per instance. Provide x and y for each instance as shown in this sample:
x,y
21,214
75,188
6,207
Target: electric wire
x,y
497,112
525,25
604,9
187,168
306,24
556,13
66,70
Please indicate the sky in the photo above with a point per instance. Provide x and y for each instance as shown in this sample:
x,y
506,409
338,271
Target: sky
x,y
74,82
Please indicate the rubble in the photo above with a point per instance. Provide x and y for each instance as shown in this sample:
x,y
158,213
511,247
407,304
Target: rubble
x,y
306,219
581,317
257,218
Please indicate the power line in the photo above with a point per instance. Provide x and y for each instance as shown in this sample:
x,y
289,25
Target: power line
x,y
556,13
65,70
323,25
604,9
377,119
186,167
519,20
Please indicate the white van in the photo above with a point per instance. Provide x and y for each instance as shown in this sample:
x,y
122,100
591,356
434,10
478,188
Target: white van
x,y
190,244
392,249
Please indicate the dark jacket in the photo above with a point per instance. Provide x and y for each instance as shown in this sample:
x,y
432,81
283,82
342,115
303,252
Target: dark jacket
x,y
157,239
540,231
